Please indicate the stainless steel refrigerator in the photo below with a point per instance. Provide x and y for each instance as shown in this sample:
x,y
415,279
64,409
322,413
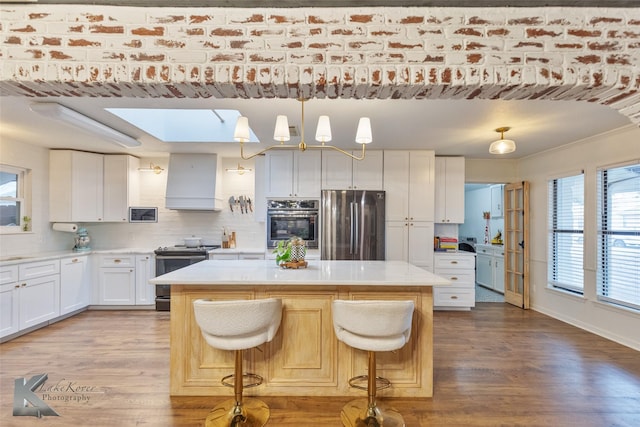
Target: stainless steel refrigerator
x,y
352,225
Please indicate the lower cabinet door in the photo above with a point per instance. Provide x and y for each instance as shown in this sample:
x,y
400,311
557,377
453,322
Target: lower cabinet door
x,y
9,309
117,286
39,300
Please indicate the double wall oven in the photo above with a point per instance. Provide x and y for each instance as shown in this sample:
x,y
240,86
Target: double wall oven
x,y
172,258
289,218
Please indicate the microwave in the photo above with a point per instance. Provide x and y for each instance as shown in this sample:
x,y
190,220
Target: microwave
x,y
143,214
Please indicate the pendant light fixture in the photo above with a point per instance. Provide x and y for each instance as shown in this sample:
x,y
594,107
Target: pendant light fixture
x,y
323,135
502,146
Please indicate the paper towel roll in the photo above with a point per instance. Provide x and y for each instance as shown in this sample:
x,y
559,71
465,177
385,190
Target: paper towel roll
x,y
69,228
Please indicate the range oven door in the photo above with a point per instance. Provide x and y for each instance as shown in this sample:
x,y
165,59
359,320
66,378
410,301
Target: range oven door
x,y
283,225
167,264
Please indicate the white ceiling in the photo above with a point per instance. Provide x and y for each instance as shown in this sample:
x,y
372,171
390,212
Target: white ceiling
x,y
450,127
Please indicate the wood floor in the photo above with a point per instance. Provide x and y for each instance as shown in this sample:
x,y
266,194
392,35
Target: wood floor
x,y
494,366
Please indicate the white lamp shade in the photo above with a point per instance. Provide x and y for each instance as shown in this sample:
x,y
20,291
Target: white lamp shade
x,y
502,146
363,134
281,132
241,134
323,131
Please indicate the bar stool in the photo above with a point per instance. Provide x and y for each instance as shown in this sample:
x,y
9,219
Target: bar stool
x,y
372,326
238,325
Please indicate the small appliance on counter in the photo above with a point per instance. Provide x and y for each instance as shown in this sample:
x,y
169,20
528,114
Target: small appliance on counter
x,y
82,240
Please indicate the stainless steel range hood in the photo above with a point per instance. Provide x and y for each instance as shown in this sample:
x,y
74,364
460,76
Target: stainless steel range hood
x,y
193,182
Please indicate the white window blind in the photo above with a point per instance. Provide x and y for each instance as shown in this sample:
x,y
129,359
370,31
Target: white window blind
x,y
618,270
565,238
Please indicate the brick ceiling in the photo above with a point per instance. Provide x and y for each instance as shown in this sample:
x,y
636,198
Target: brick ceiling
x,y
353,3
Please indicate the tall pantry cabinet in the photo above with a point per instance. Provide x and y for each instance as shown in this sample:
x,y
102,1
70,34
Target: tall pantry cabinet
x,y
409,192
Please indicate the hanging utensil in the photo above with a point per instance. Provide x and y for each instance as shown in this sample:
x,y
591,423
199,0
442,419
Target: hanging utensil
x,y
242,204
232,201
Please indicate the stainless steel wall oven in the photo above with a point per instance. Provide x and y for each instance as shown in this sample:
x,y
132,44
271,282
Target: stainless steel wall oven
x,y
288,218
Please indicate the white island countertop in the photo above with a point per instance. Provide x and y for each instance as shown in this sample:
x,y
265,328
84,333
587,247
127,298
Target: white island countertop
x,y
266,272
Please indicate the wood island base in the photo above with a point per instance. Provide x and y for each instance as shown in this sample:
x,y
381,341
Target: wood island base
x,y
305,358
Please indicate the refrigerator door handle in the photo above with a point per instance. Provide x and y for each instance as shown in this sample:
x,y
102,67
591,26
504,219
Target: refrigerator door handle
x,y
356,233
351,227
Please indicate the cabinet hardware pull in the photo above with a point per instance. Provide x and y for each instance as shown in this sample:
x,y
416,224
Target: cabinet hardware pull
x,y
454,262
454,278
17,286
24,284
454,297
74,260
117,261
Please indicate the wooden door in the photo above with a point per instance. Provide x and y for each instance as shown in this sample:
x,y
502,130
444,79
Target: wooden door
x,y
516,244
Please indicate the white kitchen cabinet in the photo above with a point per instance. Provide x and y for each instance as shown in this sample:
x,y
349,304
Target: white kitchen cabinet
x,y
408,182
145,271
449,190
340,172
9,289
497,196
75,186
121,187
90,187
490,273
74,283
235,255
117,280
39,300
293,174
459,268
32,298
410,241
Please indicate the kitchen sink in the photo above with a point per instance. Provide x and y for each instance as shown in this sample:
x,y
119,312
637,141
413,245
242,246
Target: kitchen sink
x,y
14,258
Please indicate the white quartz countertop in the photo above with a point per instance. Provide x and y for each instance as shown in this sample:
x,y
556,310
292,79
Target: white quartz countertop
x,y
266,272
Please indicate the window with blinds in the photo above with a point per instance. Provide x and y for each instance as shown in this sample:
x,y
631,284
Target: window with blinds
x,y
566,227
618,269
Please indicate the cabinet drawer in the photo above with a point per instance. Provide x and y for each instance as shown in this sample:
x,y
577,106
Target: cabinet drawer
x,y
454,296
117,261
31,270
8,274
450,261
251,256
459,277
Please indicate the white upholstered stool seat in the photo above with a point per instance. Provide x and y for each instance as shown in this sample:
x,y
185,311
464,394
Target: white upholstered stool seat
x,y
238,325
372,326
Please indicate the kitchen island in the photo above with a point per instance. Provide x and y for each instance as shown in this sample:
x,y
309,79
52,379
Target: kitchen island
x,y
305,358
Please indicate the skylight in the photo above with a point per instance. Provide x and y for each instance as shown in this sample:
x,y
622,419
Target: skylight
x,y
183,125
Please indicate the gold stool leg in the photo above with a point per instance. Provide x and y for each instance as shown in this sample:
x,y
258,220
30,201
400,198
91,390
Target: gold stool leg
x,y
238,412
367,413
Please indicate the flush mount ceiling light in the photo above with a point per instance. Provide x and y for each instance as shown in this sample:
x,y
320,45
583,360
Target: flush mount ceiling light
x,y
152,168
69,116
502,146
323,135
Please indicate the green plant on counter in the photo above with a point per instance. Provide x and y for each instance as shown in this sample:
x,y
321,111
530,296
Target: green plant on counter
x,y
283,251
26,223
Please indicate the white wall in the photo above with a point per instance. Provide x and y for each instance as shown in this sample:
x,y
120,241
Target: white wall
x,y
172,226
619,146
476,202
41,238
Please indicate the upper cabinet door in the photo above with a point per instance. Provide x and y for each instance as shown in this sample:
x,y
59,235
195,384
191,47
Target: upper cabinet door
x,y
421,185
409,185
75,186
293,174
367,173
449,194
337,171
121,186
279,166
307,174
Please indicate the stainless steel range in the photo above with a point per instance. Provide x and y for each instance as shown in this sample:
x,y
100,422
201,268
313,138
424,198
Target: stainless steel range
x,y
171,258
